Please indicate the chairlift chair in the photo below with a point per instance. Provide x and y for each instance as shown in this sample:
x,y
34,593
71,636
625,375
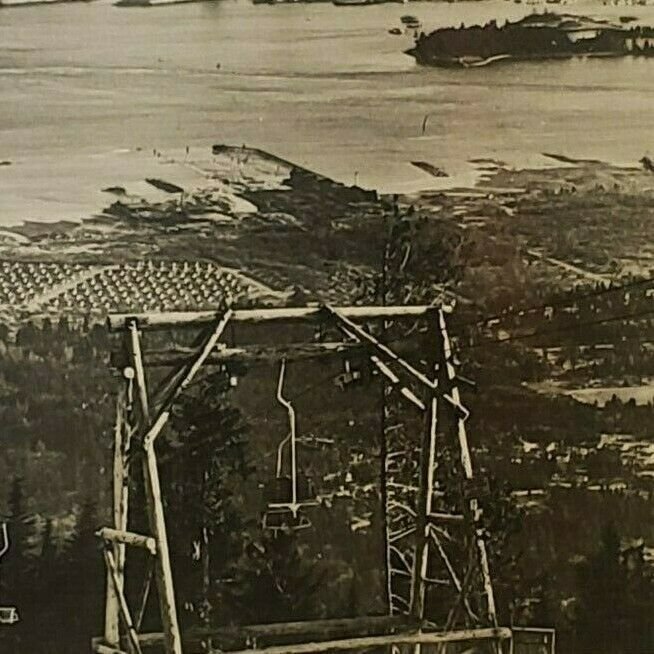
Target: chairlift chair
x,y
289,492
8,614
348,377
282,521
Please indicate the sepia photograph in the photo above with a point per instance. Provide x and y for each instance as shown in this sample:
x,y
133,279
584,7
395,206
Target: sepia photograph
x,y
327,327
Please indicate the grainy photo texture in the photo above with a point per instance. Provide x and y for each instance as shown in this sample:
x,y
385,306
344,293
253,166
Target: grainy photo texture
x,y
326,327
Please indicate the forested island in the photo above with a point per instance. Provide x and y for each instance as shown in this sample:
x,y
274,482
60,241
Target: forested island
x,y
537,36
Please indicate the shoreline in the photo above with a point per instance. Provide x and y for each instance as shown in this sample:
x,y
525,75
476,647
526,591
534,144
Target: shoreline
x,y
480,62
137,164
40,3
53,144
218,186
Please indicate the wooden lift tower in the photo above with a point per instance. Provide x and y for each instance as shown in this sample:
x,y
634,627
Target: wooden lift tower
x,y
434,549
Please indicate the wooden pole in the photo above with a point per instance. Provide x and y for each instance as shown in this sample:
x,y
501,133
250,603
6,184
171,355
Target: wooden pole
x,y
99,648
139,370
425,502
128,538
411,638
154,503
135,645
384,460
163,387
145,593
466,463
178,356
189,319
163,570
395,380
462,596
112,610
452,572
353,330
237,637
185,377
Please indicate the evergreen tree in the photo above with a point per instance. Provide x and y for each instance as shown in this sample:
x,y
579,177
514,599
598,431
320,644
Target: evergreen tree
x,y
16,568
50,620
277,581
206,467
81,570
616,601
16,565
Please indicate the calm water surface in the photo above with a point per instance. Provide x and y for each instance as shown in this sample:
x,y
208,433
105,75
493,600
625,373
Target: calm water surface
x,y
82,87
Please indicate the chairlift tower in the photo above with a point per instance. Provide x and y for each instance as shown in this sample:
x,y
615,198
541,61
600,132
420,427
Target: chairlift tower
x,y
430,545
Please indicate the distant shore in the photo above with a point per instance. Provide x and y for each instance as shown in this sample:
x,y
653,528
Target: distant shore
x,y
14,4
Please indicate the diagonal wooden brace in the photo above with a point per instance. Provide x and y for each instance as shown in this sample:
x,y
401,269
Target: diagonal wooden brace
x,y
353,330
187,373
122,601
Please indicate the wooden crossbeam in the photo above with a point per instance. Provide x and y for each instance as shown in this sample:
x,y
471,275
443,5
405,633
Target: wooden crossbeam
x,y
436,582
182,319
393,537
399,630
128,538
219,356
446,559
234,637
406,638
101,648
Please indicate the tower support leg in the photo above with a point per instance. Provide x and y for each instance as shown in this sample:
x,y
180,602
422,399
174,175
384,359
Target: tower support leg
x,y
122,434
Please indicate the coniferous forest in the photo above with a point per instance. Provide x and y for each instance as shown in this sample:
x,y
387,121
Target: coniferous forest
x,y
569,512
574,561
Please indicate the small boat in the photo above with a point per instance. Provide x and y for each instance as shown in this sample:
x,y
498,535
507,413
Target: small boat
x,y
395,30
628,19
425,166
408,20
132,3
